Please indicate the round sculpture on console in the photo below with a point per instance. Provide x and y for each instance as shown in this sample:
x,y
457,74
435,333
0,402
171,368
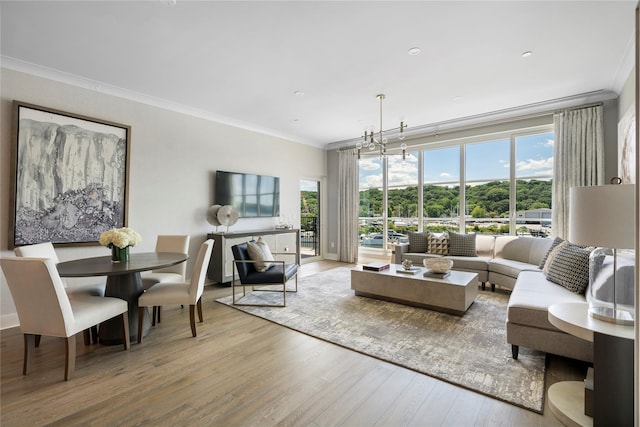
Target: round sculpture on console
x,y
438,265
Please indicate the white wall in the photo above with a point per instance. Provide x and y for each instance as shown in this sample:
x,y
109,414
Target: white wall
x,y
172,162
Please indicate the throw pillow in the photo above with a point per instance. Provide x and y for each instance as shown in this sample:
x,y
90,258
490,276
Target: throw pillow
x,y
462,244
552,256
555,243
570,268
417,241
260,253
437,243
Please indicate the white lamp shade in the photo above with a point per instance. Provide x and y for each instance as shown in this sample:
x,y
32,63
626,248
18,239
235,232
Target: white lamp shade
x,y
603,216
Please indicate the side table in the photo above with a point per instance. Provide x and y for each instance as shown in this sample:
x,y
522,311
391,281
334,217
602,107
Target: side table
x,y
612,370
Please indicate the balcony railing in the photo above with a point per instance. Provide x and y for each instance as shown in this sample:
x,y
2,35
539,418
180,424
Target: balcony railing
x,y
309,245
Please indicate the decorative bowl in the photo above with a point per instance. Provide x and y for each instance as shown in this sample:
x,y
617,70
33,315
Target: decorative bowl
x,y
438,265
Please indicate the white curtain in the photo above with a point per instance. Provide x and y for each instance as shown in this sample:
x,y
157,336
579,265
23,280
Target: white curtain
x,y
348,206
578,159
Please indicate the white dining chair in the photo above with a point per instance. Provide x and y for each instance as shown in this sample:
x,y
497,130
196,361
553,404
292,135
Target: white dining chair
x,y
174,273
184,293
44,308
46,250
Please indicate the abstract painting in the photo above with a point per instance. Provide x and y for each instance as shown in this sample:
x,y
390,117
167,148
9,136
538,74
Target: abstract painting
x,y
70,178
627,147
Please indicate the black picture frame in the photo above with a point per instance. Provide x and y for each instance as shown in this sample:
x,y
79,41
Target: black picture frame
x,y
70,179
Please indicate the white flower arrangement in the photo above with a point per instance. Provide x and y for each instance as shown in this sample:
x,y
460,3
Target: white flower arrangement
x,y
120,237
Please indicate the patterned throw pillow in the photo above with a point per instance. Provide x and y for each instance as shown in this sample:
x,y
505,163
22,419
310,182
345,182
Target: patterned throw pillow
x,y
552,255
437,243
555,243
462,244
260,253
417,242
570,268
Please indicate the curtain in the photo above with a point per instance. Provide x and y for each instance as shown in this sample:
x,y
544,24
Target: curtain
x,y
348,205
578,159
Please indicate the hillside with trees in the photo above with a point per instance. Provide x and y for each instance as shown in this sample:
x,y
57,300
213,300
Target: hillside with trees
x,y
488,200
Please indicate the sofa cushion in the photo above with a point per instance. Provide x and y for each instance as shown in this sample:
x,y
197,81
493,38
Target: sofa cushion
x,y
529,250
570,268
509,267
417,241
462,244
437,243
531,298
555,243
469,263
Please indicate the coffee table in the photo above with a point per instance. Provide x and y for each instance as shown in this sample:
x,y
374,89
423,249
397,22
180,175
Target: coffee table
x,y
453,294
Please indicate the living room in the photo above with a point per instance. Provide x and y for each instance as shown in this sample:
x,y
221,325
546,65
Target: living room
x,y
175,152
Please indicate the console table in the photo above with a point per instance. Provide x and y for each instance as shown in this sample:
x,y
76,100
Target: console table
x,y
612,370
280,241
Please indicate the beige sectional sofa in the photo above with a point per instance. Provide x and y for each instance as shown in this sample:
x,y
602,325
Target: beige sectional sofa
x,y
513,262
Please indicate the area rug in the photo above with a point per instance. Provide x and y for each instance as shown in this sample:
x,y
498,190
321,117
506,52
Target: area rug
x,y
469,351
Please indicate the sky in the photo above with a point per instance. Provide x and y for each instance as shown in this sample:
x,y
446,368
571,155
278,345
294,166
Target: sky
x,y
485,161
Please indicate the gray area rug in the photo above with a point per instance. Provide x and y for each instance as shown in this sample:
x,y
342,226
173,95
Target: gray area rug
x,y
469,351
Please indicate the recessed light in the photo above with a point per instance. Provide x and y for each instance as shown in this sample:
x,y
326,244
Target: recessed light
x,y
298,93
527,54
457,98
414,51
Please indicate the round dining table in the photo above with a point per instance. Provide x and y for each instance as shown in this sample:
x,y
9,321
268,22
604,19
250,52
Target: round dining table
x,y
124,282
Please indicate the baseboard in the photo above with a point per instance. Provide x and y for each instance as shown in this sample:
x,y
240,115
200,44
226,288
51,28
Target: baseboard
x,y
9,321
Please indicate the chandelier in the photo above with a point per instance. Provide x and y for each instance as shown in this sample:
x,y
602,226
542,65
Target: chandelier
x,y
378,141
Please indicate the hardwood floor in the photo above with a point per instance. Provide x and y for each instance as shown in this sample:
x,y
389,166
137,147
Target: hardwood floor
x,y
240,371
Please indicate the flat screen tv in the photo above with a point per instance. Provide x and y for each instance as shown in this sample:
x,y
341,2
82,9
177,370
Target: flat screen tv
x,y
252,195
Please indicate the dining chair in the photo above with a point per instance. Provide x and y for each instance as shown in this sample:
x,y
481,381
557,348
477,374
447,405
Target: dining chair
x,y
44,308
185,293
174,273
46,250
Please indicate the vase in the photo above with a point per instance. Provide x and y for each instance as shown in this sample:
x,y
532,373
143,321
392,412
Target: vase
x,y
119,254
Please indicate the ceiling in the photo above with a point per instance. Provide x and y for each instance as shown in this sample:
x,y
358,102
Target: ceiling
x,y
309,71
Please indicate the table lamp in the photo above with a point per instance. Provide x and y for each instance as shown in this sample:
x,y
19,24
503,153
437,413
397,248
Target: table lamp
x,y
604,216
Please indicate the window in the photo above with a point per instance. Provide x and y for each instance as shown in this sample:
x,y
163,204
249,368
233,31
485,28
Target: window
x,y
495,185
371,201
533,171
441,189
487,187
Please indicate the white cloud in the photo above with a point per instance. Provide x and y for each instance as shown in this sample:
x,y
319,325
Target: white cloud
x,y
549,143
535,165
445,175
370,164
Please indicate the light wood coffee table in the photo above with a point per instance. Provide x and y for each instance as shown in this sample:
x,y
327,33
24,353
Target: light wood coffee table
x,y
453,294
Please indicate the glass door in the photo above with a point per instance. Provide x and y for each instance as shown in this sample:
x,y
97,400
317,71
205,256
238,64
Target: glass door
x,y
309,218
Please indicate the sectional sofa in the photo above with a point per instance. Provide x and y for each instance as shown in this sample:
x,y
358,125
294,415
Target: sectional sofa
x,y
514,263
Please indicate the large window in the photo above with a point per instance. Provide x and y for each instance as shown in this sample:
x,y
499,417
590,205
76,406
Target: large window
x,y
441,189
487,187
496,185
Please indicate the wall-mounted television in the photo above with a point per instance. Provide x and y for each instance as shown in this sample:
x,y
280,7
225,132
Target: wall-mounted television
x,y
252,195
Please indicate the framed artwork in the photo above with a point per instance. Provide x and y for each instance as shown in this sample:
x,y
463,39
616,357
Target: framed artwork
x,y
627,147
71,176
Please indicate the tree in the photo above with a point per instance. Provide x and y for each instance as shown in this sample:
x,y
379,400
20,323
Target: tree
x,y
479,212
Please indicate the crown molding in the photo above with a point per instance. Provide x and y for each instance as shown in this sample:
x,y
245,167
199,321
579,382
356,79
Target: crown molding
x,y
107,89
509,114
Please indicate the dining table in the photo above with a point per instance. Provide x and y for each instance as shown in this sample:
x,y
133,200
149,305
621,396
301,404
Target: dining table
x,y
124,282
